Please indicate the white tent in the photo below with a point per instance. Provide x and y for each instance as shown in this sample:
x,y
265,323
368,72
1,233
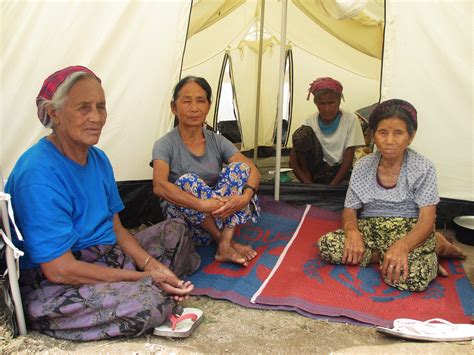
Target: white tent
x,y
137,48
320,45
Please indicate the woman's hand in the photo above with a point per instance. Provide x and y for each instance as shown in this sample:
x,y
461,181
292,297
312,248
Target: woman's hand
x,y
395,262
167,280
354,248
178,289
234,203
212,204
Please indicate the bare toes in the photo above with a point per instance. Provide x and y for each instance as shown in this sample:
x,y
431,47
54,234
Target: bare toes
x,y
229,254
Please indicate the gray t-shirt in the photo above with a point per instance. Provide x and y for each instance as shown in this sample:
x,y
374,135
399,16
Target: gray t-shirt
x,y
171,149
416,187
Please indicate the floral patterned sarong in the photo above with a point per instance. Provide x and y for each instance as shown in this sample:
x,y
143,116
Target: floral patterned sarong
x,y
231,181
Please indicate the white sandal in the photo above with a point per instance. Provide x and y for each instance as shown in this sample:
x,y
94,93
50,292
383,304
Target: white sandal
x,y
431,330
180,326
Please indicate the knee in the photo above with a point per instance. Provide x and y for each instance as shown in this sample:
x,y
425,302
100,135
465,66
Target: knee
x,y
239,166
414,283
302,138
186,178
323,245
408,285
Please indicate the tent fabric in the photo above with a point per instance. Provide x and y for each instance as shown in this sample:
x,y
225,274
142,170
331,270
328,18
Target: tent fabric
x,y
137,48
325,56
428,60
361,33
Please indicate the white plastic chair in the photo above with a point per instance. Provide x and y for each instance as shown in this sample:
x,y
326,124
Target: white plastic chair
x,y
12,255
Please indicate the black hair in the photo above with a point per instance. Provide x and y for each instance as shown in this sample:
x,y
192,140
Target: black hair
x,y
193,79
394,110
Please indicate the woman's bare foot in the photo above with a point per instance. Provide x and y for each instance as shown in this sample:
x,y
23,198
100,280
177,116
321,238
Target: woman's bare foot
x,y
442,271
444,249
225,253
245,250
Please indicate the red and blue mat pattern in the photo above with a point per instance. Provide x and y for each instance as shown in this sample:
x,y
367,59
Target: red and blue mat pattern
x,y
289,274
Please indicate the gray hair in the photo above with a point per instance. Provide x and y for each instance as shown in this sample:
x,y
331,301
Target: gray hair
x,y
59,97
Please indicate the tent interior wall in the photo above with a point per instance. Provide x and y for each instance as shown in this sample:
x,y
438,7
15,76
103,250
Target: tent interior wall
x,y
420,51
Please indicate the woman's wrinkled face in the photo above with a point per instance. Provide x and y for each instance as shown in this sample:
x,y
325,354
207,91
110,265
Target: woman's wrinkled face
x,y
192,106
392,137
83,114
328,106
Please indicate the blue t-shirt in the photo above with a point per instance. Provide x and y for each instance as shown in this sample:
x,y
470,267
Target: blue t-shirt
x,y
61,205
416,187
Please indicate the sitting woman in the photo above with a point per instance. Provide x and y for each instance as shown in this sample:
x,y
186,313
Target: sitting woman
x,y
323,148
84,277
188,175
395,191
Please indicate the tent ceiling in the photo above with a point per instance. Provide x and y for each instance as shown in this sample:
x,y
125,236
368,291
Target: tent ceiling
x,y
363,30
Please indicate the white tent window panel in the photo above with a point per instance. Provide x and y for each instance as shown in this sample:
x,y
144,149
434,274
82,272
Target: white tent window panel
x,y
226,117
287,99
227,109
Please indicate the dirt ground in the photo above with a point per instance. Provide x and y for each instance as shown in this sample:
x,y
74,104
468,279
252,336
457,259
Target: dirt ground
x,y
229,328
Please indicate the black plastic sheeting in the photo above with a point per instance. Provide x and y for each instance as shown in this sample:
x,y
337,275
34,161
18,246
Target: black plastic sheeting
x,y
142,206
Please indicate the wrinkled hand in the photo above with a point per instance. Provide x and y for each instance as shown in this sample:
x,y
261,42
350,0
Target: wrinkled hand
x,y
155,265
395,263
212,204
234,203
173,286
168,281
354,249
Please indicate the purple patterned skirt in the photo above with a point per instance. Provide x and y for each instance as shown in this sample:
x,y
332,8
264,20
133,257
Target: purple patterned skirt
x,y
106,310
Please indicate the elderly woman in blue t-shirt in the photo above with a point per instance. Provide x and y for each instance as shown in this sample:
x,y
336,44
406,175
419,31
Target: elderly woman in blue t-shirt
x,y
190,177
84,276
395,191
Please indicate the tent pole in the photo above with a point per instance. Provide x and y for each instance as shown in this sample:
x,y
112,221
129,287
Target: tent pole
x,y
259,81
280,98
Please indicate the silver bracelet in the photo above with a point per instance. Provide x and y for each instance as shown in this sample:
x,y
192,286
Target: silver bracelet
x,y
146,262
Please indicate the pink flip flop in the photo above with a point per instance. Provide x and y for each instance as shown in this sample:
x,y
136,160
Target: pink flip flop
x,y
180,326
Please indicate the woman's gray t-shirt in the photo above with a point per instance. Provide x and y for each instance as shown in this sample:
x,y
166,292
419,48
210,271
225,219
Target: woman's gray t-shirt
x,y
171,149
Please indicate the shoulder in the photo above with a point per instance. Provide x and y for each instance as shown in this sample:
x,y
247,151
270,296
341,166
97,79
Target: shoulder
x,y
418,161
347,115
349,118
38,157
98,155
367,162
219,139
168,139
211,134
418,166
311,119
36,166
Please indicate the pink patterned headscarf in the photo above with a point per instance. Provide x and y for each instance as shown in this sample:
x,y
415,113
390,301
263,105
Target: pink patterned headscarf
x,y
325,84
52,83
